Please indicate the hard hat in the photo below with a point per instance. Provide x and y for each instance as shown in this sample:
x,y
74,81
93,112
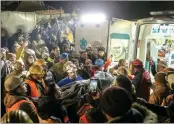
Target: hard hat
x,y
138,62
36,69
99,62
40,62
64,56
71,68
18,64
17,116
12,83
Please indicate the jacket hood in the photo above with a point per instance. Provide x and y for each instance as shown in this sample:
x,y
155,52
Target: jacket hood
x,y
149,116
10,100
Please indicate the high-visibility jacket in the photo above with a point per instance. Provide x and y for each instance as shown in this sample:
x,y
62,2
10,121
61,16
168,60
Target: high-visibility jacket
x,y
35,92
17,105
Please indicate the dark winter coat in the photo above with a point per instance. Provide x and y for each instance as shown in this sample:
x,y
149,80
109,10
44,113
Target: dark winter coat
x,y
161,111
137,114
48,107
12,98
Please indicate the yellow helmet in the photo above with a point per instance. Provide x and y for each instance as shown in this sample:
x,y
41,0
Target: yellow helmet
x,y
40,62
36,69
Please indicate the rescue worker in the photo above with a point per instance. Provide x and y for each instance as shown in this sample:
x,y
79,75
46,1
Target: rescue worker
x,y
71,69
17,116
21,48
142,80
99,66
58,68
54,56
35,83
101,53
49,77
16,98
29,58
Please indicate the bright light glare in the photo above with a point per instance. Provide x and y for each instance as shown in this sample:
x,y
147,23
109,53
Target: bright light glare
x,y
93,18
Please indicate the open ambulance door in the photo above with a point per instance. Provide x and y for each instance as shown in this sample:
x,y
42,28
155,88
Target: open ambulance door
x,y
121,40
155,40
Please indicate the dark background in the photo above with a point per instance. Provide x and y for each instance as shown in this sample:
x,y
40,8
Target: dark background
x,y
117,9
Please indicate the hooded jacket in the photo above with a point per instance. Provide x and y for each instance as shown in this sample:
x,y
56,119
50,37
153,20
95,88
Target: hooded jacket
x,y
137,114
13,98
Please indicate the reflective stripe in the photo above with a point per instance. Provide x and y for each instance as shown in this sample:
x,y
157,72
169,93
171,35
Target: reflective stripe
x,y
34,89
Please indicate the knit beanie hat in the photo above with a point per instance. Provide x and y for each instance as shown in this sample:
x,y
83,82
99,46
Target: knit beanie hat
x,y
115,101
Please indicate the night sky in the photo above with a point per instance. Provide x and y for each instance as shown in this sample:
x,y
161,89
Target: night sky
x,y
118,9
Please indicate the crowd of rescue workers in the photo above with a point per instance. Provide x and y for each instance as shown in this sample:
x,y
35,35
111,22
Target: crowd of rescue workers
x,y
43,83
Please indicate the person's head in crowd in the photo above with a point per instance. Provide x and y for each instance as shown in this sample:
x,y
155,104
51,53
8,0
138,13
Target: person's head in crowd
x,y
124,82
38,37
42,63
161,65
89,49
56,51
3,54
170,79
44,50
15,84
137,66
7,50
45,56
29,57
83,54
122,71
66,48
75,62
37,72
101,51
19,65
11,57
122,62
168,69
17,116
115,102
160,79
88,65
64,57
100,64
71,69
